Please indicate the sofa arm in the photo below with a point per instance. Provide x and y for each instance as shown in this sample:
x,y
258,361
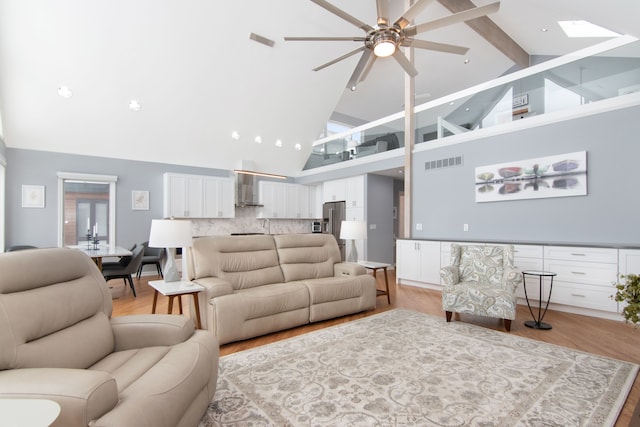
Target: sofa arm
x,y
449,275
83,394
214,287
348,269
148,330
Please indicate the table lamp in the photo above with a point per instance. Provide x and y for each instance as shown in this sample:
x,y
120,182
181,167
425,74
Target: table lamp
x,y
170,234
353,230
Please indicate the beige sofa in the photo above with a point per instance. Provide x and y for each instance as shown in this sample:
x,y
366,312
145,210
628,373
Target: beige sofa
x,y
261,284
58,341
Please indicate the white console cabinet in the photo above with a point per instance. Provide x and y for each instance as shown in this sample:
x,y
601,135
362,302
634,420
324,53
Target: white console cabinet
x,y
584,276
418,262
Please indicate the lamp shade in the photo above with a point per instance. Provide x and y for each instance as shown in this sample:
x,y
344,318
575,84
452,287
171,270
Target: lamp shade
x,y
170,233
353,230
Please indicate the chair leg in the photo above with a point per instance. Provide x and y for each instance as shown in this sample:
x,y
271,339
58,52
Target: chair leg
x,y
139,272
159,269
507,324
133,289
448,315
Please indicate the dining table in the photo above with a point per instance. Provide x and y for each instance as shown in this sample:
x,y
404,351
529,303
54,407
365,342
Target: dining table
x,y
102,251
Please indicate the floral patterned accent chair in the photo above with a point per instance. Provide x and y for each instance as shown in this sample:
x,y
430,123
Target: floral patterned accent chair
x,y
481,280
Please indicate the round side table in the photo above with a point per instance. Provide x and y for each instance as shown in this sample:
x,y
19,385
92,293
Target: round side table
x,y
537,322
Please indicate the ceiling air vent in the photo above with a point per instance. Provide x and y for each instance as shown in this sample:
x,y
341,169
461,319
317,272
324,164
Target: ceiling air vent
x,y
443,163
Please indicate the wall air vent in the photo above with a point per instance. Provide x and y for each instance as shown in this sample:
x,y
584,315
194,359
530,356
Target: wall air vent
x,y
444,163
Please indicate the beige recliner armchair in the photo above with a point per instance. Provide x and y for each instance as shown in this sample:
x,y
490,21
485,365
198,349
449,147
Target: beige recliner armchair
x,y
58,341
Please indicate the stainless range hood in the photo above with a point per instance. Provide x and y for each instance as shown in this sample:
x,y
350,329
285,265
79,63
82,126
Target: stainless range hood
x,y
246,191
246,184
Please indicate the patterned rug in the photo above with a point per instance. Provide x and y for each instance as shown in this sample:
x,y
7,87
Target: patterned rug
x,y
403,368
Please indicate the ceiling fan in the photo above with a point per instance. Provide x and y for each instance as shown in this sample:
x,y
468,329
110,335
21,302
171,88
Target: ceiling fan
x,y
385,38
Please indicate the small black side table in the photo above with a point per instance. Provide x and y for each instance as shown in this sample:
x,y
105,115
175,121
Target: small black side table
x,y
538,323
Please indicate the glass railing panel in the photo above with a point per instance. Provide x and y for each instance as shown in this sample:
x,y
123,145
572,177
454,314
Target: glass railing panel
x,y
561,84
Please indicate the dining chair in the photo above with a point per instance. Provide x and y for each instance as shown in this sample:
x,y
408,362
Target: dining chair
x,y
152,256
124,269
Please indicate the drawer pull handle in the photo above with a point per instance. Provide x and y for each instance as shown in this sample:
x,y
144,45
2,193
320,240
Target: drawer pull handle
x,y
577,254
578,272
578,295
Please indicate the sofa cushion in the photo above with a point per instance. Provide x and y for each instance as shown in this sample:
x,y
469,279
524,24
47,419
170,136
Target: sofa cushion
x,y
244,261
336,288
268,300
307,256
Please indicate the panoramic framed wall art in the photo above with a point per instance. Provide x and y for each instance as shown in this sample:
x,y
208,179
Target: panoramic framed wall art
x,y
562,175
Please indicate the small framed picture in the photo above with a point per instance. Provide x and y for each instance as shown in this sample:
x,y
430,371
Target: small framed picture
x,y
140,200
33,196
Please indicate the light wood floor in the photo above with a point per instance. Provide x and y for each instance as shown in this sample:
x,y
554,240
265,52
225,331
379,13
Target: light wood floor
x,y
604,337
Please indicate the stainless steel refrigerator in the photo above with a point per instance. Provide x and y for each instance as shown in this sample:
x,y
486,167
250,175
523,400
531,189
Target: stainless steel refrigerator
x,y
333,213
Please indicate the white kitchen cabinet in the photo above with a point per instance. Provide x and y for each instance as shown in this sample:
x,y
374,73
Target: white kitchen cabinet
x,y
334,191
584,276
418,262
197,196
286,200
273,198
354,192
183,196
219,197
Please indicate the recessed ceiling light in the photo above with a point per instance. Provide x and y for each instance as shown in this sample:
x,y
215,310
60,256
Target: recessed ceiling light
x,y
279,143
134,105
65,92
544,30
235,135
258,140
466,61
298,147
585,29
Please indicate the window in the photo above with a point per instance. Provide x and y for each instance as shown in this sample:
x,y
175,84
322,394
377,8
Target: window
x,y
87,206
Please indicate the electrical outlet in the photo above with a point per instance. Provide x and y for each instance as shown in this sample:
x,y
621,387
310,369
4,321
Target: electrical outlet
x,y
465,227
418,227
372,226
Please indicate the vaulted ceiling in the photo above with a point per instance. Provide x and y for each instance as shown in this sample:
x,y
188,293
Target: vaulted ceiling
x,y
198,76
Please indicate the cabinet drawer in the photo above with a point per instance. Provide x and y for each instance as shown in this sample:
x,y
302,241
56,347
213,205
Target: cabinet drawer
x,y
568,253
585,296
528,251
598,274
528,264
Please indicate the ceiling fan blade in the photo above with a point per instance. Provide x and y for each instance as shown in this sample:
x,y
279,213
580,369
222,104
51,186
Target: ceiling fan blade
x,y
323,39
357,72
383,12
405,63
360,49
342,14
466,15
367,68
439,47
411,13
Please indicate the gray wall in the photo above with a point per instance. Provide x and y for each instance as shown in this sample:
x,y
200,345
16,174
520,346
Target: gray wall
x,y
444,199
379,210
39,227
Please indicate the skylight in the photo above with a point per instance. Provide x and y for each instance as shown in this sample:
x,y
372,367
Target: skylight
x,y
585,29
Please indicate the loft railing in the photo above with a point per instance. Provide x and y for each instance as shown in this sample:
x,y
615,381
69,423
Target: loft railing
x,y
601,72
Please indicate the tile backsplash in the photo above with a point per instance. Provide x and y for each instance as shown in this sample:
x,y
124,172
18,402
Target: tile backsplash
x,y
245,221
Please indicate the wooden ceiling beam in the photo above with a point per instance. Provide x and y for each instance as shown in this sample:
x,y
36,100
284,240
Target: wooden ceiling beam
x,y
490,32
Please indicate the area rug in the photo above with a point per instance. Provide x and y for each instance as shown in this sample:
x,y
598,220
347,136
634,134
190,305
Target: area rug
x,y
403,368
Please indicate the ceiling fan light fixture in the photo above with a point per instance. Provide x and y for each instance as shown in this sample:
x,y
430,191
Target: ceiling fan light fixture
x,y
384,48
